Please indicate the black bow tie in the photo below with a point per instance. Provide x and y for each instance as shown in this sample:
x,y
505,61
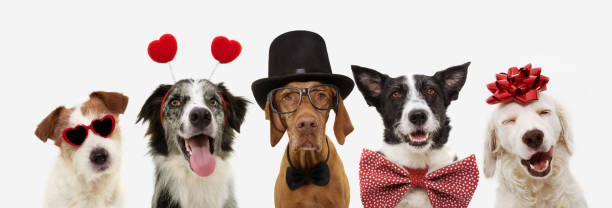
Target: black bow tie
x,y
318,175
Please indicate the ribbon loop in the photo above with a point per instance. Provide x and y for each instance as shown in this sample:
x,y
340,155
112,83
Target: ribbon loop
x,y
520,85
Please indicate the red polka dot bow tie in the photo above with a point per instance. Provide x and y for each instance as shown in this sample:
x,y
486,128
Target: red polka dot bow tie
x,y
383,183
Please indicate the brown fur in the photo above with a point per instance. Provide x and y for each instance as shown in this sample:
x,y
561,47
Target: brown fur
x,y
116,103
51,127
336,193
99,104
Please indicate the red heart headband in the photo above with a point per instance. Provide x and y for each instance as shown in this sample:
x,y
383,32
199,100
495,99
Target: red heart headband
x,y
164,49
519,85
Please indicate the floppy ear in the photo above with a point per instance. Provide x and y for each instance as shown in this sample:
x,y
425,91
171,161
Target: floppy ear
x,y
342,123
46,128
150,111
565,136
370,83
115,102
277,128
236,107
452,80
490,150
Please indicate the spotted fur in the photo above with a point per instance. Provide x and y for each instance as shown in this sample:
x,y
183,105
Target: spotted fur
x,y
176,185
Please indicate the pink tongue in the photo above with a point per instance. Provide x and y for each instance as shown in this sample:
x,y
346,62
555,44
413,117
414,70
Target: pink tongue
x,y
540,165
202,162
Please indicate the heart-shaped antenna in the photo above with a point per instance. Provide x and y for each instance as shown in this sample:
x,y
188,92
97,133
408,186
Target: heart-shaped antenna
x,y
224,51
163,51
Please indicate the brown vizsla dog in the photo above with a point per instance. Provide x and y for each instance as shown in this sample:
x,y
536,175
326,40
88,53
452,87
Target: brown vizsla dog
x,y
307,147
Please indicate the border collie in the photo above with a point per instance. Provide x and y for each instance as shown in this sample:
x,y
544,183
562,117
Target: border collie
x,y
192,126
531,143
87,171
413,109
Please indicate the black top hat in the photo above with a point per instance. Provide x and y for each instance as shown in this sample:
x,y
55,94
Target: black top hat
x,y
298,56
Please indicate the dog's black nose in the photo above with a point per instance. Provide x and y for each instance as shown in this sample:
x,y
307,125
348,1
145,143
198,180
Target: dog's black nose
x,y
98,156
200,117
533,138
417,117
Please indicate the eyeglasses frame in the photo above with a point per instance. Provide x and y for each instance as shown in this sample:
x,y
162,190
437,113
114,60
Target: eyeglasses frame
x,y
302,91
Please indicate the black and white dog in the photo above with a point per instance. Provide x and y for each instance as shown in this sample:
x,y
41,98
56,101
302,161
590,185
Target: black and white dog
x,y
413,109
192,126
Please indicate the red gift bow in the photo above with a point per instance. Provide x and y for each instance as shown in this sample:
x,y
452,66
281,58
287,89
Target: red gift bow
x,y
383,183
521,85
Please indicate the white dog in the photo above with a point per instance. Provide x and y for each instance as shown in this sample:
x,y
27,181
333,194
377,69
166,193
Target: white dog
x,y
531,144
86,173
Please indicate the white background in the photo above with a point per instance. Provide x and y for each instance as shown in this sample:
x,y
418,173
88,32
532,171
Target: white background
x,y
55,53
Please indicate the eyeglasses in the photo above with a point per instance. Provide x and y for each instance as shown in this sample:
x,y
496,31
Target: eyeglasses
x,y
102,127
322,97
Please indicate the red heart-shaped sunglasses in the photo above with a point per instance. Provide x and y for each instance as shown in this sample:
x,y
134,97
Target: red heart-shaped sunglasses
x,y
102,127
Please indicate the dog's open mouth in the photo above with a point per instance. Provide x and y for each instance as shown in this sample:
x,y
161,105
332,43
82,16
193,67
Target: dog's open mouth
x,y
418,138
198,150
539,164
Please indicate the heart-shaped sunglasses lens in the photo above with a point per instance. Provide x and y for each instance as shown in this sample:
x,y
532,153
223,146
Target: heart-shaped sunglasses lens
x,y
76,136
103,127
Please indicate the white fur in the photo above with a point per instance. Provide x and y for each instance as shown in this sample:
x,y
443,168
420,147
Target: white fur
x,y
74,183
405,155
414,101
504,148
197,101
194,191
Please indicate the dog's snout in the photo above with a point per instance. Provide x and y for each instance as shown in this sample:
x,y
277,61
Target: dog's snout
x,y
417,117
306,123
98,156
533,138
200,117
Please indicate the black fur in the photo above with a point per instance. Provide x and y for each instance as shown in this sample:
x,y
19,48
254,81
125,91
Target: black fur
x,y
164,198
150,113
378,90
236,109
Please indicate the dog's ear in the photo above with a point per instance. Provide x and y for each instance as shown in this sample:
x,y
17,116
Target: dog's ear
x,y
46,128
566,135
342,123
277,128
151,109
452,80
115,102
491,149
370,83
236,107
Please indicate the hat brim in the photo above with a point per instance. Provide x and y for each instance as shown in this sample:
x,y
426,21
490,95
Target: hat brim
x,y
261,87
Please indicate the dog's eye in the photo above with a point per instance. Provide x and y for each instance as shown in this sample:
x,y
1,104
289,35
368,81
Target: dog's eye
x,y
321,95
431,91
289,96
544,112
396,95
213,102
509,121
175,103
